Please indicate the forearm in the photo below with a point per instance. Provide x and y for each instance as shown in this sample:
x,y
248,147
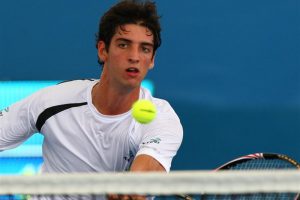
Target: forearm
x,y
141,163
146,163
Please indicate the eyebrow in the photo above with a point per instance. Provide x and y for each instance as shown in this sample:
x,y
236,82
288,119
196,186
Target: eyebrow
x,y
130,41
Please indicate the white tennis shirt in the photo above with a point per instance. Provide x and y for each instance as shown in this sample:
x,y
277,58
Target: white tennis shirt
x,y
77,138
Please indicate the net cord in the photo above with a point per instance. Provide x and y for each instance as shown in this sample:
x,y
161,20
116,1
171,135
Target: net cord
x,y
156,183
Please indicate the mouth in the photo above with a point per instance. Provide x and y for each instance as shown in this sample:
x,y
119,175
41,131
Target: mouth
x,y
132,70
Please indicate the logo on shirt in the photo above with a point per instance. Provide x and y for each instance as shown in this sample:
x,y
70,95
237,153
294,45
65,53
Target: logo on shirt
x,y
153,140
4,110
129,157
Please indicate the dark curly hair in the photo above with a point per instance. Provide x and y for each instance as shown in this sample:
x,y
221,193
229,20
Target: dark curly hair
x,y
143,13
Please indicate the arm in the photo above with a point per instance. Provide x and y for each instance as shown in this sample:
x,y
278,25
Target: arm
x,y
142,162
145,162
16,124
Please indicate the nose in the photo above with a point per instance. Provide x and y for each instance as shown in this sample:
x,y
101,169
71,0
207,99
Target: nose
x,y
134,55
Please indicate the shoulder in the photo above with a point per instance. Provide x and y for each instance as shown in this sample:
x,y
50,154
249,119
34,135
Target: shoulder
x,y
63,93
66,90
72,86
164,108
166,122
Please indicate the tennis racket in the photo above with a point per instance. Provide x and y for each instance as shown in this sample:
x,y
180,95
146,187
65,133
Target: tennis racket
x,y
259,161
256,161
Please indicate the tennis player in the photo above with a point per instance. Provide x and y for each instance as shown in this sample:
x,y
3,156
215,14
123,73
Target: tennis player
x,y
87,124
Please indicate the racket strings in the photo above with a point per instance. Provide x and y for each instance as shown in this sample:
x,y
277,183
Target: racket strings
x,y
259,164
262,164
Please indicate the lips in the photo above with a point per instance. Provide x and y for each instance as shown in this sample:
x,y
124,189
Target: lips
x,y
132,72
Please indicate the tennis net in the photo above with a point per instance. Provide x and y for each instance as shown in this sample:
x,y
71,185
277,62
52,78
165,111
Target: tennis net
x,y
271,184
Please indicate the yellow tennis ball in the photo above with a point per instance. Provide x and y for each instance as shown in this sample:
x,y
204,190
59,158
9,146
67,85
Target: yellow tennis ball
x,y
143,111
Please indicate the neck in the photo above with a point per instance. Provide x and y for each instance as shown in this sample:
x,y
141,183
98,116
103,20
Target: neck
x,y
112,101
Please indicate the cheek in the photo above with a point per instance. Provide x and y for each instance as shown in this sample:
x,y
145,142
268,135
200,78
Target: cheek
x,y
147,59
115,58
118,56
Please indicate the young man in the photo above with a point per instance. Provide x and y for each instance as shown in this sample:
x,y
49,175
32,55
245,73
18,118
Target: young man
x,y
87,124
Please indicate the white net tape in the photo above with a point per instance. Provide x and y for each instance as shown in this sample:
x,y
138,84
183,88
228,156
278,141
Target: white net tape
x,y
177,182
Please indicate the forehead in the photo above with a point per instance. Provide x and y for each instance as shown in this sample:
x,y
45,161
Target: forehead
x,y
134,32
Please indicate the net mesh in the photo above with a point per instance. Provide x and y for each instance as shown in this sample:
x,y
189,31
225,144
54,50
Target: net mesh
x,y
238,184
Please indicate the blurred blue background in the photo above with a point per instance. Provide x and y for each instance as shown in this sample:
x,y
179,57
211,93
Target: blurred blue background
x,y
230,69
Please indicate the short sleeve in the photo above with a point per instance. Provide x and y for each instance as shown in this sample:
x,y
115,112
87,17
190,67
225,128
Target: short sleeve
x,y
162,138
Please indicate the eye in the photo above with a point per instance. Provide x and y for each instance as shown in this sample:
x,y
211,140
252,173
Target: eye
x,y
147,49
123,45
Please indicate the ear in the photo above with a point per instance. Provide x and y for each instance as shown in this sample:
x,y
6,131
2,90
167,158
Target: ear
x,y
102,52
151,66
